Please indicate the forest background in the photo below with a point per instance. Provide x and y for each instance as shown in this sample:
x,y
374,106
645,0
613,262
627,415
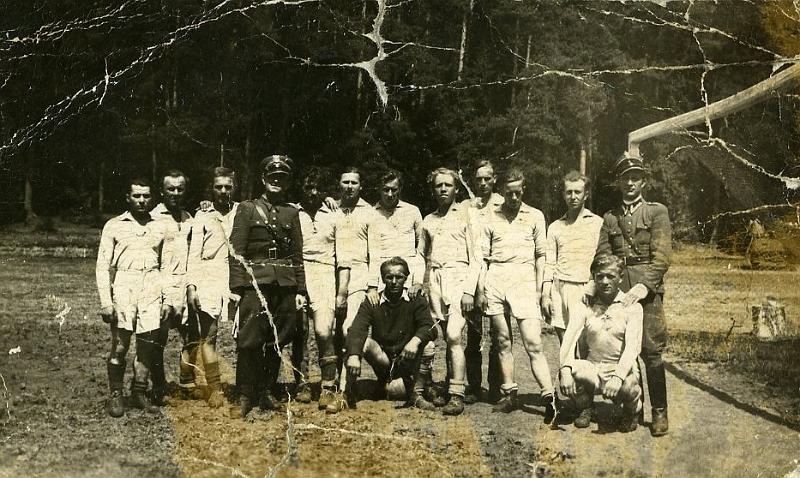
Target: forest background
x,y
92,93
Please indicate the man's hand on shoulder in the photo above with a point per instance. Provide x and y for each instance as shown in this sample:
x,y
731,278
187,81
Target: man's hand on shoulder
x,y
637,293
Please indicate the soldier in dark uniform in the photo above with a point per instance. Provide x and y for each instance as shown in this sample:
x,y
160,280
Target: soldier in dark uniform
x,y
640,233
266,236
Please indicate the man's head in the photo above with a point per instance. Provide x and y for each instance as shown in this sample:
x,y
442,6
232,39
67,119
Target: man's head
x,y
350,183
576,190
139,196
444,183
276,173
513,189
630,173
222,185
394,273
313,188
173,189
607,274
485,178
391,185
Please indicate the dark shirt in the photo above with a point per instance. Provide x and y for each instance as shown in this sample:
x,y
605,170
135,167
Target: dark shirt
x,y
393,325
650,233
272,248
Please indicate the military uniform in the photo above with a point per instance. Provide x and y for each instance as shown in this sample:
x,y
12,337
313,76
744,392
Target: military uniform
x,y
640,233
268,239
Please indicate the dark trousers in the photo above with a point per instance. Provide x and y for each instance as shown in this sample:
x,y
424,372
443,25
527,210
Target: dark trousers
x,y
300,348
654,341
258,354
474,356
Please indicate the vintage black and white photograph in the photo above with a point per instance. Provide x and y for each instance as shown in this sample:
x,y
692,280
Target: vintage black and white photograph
x,y
399,238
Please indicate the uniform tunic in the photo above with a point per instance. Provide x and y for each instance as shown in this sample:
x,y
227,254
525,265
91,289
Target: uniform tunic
x,y
647,253
130,253
268,239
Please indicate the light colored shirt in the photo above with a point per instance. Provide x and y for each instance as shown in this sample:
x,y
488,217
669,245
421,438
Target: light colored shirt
x,y
175,255
446,242
478,213
126,245
571,247
520,240
612,335
208,248
319,241
357,238
399,230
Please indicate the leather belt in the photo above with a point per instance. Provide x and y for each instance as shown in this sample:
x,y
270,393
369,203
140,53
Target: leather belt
x,y
636,260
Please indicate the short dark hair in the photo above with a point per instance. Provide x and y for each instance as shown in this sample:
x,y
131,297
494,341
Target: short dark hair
x,y
514,174
604,261
174,173
223,172
139,181
395,261
447,171
390,175
574,176
353,170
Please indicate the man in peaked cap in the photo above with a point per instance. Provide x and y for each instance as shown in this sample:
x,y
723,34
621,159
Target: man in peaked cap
x,y
639,232
267,237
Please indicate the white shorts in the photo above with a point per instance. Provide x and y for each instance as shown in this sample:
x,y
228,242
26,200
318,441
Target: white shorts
x,y
175,290
446,290
601,371
321,285
567,300
137,300
512,286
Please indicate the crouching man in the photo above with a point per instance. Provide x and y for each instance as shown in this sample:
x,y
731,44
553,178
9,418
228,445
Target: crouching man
x,y
609,335
401,327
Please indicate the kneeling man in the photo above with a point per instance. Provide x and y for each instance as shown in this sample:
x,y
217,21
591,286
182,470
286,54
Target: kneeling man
x,y
609,335
401,327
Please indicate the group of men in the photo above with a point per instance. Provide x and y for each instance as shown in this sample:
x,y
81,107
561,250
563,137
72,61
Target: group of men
x,y
377,281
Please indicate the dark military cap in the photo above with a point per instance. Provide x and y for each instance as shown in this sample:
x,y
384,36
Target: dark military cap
x,y
628,162
277,164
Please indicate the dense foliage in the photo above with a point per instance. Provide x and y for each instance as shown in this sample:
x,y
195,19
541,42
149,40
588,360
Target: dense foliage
x,y
92,92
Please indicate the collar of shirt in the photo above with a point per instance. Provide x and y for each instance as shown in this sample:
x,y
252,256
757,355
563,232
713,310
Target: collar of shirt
x,y
263,198
619,297
361,203
629,206
400,205
404,297
161,209
454,207
583,214
126,216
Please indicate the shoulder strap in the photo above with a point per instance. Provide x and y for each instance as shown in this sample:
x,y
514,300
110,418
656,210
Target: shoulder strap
x,y
261,212
631,242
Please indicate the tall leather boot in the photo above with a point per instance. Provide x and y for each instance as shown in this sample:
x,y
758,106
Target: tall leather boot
x,y
657,386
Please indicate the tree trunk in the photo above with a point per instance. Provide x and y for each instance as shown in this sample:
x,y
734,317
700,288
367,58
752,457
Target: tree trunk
x,y
30,215
100,190
247,180
462,51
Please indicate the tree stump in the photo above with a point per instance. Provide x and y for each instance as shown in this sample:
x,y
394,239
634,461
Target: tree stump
x,y
769,320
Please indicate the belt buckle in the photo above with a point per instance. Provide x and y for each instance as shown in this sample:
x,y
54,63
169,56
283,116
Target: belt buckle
x,y
272,253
